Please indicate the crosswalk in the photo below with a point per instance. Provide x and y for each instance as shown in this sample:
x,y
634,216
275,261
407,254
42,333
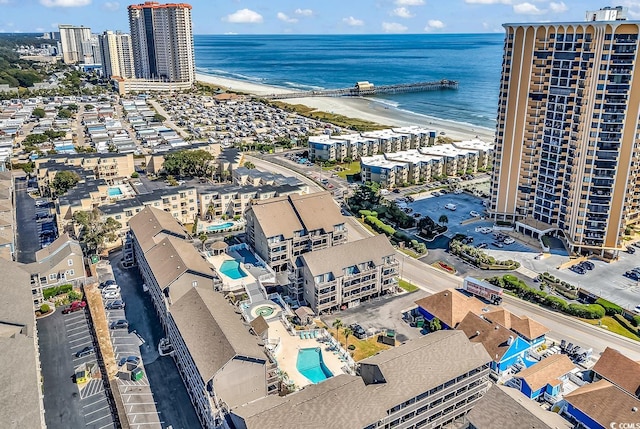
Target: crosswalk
x,y
93,387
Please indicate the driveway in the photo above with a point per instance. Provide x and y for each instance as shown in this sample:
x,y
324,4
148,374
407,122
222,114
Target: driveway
x,y
172,400
27,240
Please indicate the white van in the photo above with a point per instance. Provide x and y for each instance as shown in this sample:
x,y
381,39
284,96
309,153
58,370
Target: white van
x,y
450,206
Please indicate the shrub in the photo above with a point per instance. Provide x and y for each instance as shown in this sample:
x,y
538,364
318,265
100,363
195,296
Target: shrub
x,y
635,321
556,303
44,308
135,175
351,347
586,311
56,290
609,307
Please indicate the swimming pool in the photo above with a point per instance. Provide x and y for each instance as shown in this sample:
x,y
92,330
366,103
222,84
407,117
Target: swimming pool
x,y
311,365
249,258
114,192
220,227
231,268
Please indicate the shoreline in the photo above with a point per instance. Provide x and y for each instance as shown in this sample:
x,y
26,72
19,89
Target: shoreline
x,y
362,108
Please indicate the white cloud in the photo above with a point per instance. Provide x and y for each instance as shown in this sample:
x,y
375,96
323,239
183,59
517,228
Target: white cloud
x,y
409,2
111,5
65,3
303,12
284,17
353,22
393,27
402,12
558,7
434,24
487,1
527,9
244,16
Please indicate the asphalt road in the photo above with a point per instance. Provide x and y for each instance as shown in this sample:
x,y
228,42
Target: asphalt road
x,y
27,241
169,393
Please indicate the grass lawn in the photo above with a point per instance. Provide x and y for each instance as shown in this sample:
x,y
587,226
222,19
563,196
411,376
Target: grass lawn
x,y
611,324
364,348
345,169
409,287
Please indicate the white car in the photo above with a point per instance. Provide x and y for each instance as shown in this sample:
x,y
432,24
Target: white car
x,y
637,309
111,288
112,295
509,240
458,191
474,213
450,206
435,194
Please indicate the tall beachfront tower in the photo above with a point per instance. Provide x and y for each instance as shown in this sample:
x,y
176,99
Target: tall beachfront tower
x,y
162,39
74,43
117,55
567,143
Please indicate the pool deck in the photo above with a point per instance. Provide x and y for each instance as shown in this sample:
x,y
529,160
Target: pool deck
x,y
287,354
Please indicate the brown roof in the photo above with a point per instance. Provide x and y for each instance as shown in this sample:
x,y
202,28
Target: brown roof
x,y
451,306
547,371
150,222
503,407
605,403
493,336
620,370
212,331
172,257
528,328
218,245
345,401
276,217
259,325
317,211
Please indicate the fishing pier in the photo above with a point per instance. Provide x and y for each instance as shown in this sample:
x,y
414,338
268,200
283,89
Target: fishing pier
x,y
365,89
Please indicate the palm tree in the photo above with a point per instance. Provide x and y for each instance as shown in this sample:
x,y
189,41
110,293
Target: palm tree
x,y
443,219
337,324
203,237
347,331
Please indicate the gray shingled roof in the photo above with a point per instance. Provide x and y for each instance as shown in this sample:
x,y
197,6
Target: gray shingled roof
x,y
150,222
345,401
20,387
503,407
212,331
62,247
334,259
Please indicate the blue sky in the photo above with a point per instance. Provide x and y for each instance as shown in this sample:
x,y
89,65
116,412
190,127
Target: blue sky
x,y
310,16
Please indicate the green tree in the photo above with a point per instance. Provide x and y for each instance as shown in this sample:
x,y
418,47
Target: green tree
x,y
38,112
45,308
65,114
249,165
89,107
135,175
194,163
337,324
203,238
347,332
63,181
435,325
443,219
159,118
94,231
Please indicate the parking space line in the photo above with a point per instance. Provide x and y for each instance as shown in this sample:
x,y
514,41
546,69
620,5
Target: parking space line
x,y
87,342
110,425
100,409
98,419
95,402
68,325
84,338
75,329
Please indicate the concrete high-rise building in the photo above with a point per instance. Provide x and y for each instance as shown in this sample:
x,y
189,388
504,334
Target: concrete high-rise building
x,y
567,142
71,42
162,39
117,55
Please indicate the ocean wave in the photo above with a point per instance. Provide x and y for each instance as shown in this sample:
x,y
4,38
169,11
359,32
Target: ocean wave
x,y
232,75
452,120
301,86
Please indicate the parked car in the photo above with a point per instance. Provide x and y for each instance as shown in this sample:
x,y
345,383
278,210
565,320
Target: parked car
x,y
118,304
85,352
637,309
75,306
358,331
435,193
111,295
450,206
106,283
588,265
509,240
129,359
474,213
119,324
482,246
110,288
631,250
497,244
578,269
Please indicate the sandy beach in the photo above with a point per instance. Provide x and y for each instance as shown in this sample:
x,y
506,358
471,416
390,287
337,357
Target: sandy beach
x,y
362,108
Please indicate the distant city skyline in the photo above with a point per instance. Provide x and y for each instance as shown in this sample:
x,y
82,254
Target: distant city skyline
x,y
311,17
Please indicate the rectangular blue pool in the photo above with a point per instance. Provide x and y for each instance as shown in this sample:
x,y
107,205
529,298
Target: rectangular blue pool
x,y
311,365
248,256
220,227
114,192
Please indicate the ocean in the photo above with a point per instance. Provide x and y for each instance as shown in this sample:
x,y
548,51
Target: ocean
x,y
338,61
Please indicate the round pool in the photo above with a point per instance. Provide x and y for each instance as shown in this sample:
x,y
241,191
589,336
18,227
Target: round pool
x,y
265,310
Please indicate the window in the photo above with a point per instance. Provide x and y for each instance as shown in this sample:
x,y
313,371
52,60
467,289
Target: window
x,y
71,272
70,262
53,276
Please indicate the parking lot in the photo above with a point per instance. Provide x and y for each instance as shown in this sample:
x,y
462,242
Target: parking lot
x,y
67,403
381,314
161,391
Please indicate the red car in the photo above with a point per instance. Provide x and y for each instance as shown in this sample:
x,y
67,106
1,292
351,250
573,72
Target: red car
x,y
75,306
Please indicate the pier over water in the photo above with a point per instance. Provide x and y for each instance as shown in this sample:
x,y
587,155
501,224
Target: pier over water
x,y
365,89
